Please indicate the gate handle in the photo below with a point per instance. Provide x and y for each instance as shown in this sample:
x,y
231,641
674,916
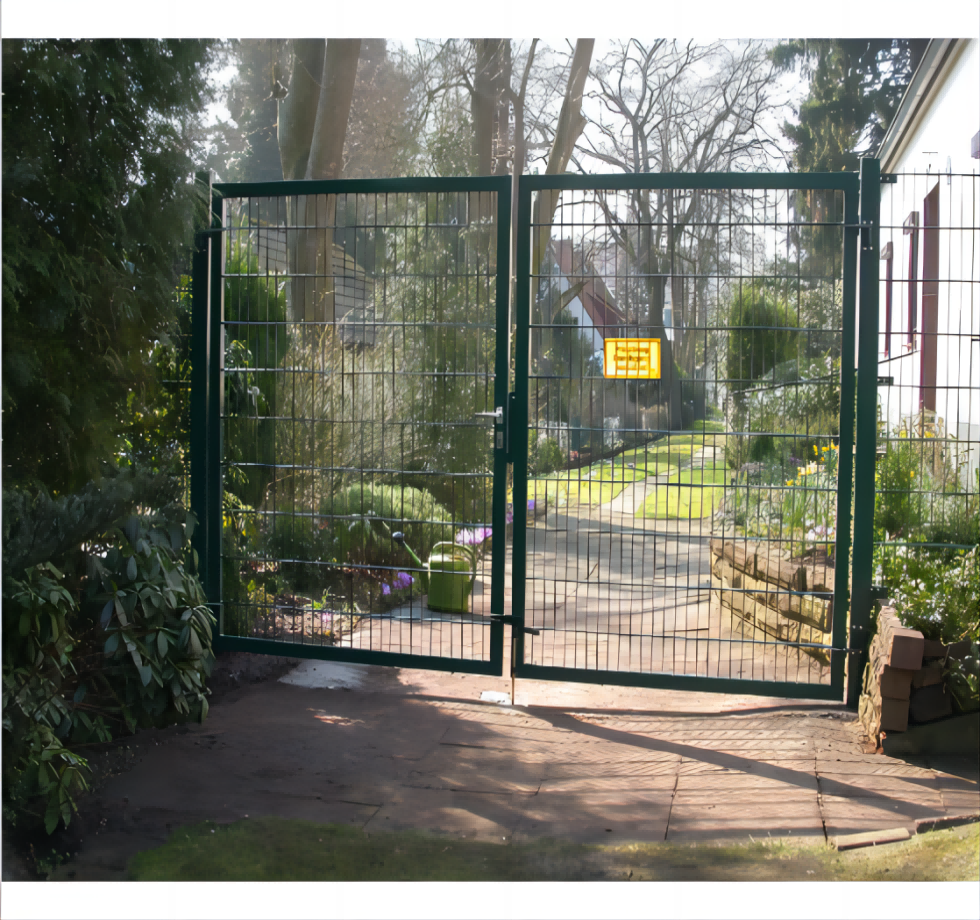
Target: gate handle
x,y
497,414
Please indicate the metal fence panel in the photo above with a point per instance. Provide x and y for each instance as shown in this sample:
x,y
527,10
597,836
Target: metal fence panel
x,y
358,328
928,350
691,530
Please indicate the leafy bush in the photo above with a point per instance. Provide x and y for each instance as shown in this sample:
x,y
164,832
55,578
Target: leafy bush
x,y
414,392
120,638
37,716
899,507
156,623
362,519
920,497
962,677
303,544
258,340
936,592
761,336
546,457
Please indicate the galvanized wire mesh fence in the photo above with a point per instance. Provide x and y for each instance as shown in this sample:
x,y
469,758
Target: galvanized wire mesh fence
x,y
359,344
686,525
927,493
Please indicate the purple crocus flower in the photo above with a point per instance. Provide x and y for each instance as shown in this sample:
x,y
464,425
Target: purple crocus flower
x,y
530,504
473,536
402,581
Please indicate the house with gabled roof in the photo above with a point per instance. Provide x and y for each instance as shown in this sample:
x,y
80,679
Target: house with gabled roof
x,y
584,295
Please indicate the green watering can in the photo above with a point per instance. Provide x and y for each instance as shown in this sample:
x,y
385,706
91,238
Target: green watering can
x,y
447,577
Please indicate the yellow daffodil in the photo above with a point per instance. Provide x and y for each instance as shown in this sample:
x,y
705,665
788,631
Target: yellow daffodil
x,y
815,453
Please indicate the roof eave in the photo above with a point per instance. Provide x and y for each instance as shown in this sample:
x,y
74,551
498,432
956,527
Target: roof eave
x,y
937,56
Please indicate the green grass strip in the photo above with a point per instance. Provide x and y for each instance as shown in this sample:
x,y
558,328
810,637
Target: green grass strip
x,y
276,849
689,495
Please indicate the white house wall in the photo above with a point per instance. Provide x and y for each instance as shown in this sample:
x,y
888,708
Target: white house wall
x,y
937,152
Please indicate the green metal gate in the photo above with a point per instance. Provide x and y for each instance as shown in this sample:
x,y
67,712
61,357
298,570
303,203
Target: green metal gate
x,y
356,396
350,348
690,529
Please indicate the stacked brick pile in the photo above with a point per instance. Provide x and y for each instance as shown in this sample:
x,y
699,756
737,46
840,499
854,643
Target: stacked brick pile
x,y
903,680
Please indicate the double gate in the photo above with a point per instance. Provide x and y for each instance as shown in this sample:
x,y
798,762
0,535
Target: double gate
x,y
631,461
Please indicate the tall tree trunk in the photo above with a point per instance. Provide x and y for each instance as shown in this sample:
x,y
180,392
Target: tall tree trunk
x,y
312,128
490,82
571,123
654,268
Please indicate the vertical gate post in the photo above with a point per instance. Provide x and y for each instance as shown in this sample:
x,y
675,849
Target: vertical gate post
x,y
867,427
518,418
501,435
200,353
839,666
206,384
216,401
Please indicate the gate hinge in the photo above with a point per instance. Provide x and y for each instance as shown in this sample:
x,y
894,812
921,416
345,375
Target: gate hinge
x,y
888,179
516,624
865,227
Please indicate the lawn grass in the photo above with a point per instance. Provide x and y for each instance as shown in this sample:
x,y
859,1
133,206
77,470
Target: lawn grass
x,y
604,480
690,494
276,849
594,485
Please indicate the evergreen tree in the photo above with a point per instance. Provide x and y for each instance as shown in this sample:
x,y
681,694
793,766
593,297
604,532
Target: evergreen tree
x,y
856,85
95,213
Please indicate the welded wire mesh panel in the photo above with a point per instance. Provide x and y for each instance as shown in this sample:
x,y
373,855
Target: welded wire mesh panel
x,y
927,508
682,519
359,342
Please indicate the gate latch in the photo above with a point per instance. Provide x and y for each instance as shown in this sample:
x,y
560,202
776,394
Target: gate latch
x,y
516,625
498,416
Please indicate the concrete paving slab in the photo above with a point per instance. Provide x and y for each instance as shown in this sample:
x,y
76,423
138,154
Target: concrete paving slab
x,y
695,823
957,802
876,765
845,815
637,769
732,783
596,818
783,768
478,775
452,813
416,749
609,785
861,784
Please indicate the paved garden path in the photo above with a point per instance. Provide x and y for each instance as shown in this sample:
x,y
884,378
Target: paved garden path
x,y
381,749
610,591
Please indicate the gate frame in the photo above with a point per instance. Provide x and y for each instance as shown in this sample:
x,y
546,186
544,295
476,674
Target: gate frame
x,y
207,400
858,373
853,593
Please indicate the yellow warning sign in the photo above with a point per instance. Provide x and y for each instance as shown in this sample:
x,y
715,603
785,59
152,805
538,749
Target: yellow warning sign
x,y
632,359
